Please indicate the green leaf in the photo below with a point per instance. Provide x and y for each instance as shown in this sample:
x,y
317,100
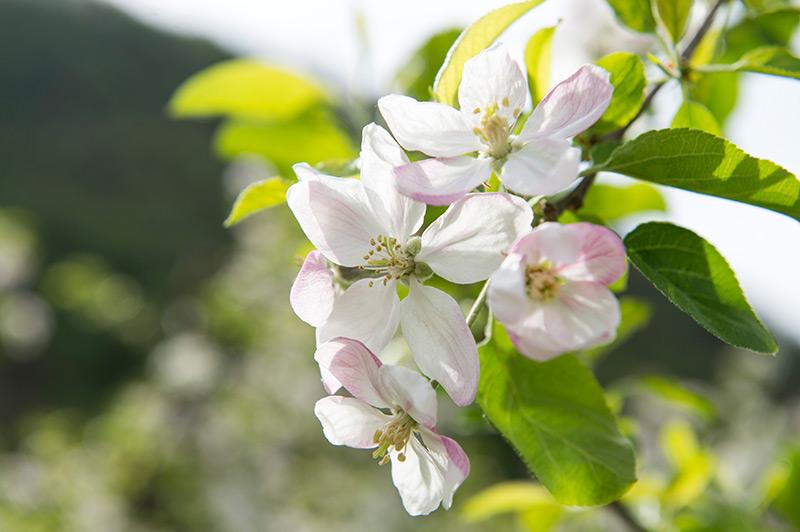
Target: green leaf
x,y
312,139
478,36
673,15
610,202
692,274
537,60
695,115
636,14
257,197
416,77
244,88
674,392
786,501
700,162
774,28
770,60
555,416
718,92
506,497
627,77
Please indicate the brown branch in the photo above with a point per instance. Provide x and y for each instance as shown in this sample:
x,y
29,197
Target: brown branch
x,y
619,509
571,202
701,32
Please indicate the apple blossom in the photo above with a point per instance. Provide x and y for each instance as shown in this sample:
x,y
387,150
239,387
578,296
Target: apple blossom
x,y
368,225
393,411
539,161
551,290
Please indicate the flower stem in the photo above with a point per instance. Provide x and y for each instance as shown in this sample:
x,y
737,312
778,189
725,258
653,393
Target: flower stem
x,y
571,202
478,305
622,512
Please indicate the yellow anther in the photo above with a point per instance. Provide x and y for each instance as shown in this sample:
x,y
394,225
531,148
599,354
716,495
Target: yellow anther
x,y
477,111
505,102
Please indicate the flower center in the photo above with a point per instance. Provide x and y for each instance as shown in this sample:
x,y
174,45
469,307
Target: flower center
x,y
390,260
540,281
395,433
494,130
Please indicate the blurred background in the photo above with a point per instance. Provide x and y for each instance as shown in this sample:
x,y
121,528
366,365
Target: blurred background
x,y
152,374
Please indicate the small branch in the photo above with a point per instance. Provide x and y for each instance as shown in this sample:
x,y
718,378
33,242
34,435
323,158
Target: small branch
x,y
571,202
701,32
619,509
478,305
648,100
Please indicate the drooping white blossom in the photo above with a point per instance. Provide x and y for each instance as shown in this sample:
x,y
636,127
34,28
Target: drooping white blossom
x,y
368,225
467,144
551,291
393,411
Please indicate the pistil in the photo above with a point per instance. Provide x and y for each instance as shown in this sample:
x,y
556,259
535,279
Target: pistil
x,y
541,283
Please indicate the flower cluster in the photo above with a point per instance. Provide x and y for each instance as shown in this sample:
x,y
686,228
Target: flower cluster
x,y
547,284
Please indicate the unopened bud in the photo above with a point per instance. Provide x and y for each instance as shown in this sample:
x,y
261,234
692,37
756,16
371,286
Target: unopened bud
x,y
413,245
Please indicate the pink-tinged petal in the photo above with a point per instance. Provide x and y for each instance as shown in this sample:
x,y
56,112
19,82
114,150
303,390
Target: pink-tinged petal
x,y
348,185
601,255
442,181
420,478
507,295
541,167
324,356
492,79
572,106
410,391
433,128
440,341
549,242
401,215
338,221
582,315
369,314
458,468
348,421
358,369
467,243
313,293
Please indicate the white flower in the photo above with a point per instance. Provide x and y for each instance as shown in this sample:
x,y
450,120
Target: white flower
x,y
551,291
393,410
368,225
538,161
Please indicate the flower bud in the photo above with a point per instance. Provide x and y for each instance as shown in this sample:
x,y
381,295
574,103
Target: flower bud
x,y
413,246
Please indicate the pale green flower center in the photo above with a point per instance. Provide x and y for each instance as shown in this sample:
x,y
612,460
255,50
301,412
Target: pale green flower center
x,y
395,434
495,130
388,260
541,283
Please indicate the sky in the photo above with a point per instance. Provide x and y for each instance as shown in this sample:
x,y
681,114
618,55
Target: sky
x,y
320,37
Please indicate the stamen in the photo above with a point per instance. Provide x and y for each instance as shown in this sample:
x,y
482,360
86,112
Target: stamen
x,y
541,283
395,434
389,260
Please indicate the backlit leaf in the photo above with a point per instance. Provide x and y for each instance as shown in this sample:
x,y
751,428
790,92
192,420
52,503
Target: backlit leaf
x,y
257,197
537,60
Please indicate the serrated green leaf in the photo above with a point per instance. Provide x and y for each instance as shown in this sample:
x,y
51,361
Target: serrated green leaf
x,y
700,162
555,416
692,274
257,197
611,202
695,115
478,36
537,61
244,88
771,60
311,139
674,14
627,77
635,14
415,78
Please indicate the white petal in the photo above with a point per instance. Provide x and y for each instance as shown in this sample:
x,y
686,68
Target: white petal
x,y
442,181
441,342
467,243
541,167
433,128
338,221
348,421
323,356
369,314
348,185
507,295
357,369
419,479
410,391
582,315
380,154
491,79
600,257
572,106
312,293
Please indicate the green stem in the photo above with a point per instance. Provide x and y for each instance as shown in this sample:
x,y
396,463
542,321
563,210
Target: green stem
x,y
478,305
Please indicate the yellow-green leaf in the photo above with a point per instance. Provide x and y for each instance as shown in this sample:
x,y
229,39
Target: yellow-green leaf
x,y
245,88
611,203
505,497
257,197
628,79
537,61
478,36
772,60
696,116
673,15
635,14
